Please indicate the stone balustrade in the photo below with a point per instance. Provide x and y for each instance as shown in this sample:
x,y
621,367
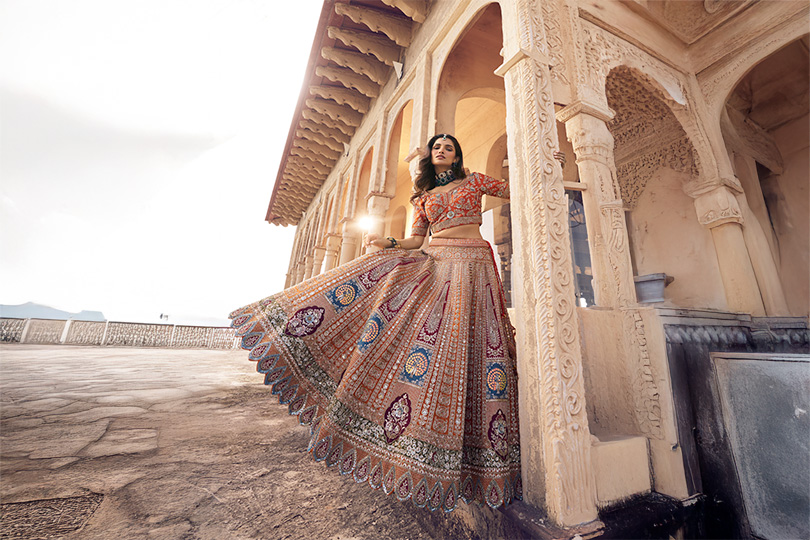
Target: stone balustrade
x,y
118,334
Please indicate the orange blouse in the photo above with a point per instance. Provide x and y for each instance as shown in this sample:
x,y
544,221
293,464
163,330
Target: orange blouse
x,y
459,206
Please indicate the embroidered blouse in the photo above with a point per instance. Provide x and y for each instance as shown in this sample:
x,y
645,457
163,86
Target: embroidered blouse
x,y
459,206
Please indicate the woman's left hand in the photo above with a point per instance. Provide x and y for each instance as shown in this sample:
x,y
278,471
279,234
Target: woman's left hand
x,y
560,156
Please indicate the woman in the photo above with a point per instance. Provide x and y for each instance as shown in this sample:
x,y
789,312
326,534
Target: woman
x,y
402,362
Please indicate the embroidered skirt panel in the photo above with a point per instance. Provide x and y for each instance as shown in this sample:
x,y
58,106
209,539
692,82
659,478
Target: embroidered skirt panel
x,y
402,365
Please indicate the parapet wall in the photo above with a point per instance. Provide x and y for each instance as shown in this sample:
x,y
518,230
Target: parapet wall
x,y
112,334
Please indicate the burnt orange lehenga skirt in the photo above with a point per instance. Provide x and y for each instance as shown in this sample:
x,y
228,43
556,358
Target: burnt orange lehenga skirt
x,y
402,365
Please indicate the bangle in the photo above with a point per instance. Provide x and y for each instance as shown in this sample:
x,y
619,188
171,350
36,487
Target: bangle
x,y
393,241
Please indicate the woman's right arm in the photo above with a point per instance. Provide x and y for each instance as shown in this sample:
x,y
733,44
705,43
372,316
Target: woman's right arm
x,y
412,242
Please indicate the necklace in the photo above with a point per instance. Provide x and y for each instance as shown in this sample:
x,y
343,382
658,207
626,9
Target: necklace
x,y
445,178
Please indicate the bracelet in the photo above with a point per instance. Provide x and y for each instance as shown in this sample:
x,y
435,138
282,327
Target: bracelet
x,y
393,241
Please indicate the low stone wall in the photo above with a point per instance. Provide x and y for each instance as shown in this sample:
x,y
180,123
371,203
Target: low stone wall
x,y
116,334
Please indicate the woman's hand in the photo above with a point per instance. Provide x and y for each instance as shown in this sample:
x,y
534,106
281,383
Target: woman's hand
x,y
374,239
560,156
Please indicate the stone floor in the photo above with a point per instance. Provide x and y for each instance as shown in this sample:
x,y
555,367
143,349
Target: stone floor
x,y
99,443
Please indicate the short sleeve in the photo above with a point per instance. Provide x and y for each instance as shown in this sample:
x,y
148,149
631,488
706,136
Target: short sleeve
x,y
493,187
420,219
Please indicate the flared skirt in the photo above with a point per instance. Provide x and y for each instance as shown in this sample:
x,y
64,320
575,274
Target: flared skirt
x,y
402,364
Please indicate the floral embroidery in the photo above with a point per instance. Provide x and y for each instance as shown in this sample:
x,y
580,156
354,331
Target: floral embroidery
x,y
497,434
305,321
397,417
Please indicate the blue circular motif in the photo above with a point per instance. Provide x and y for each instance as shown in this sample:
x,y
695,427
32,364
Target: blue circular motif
x,y
416,364
371,332
496,379
345,294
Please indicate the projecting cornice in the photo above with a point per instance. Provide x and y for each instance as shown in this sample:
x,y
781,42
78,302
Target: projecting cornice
x,y
356,44
342,96
397,28
350,79
327,121
381,47
319,139
360,63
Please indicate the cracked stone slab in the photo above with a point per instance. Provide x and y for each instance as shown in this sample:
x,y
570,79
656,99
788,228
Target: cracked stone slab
x,y
123,441
53,440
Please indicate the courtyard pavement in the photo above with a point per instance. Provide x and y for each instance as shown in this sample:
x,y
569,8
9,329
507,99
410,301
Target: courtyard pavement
x,y
119,443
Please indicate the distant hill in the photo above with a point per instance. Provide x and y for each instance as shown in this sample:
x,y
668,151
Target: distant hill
x,y
30,310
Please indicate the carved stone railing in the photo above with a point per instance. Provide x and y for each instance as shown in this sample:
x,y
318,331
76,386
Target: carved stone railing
x,y
119,334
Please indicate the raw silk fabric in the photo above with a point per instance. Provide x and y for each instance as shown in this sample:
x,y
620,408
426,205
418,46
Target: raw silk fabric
x,y
401,362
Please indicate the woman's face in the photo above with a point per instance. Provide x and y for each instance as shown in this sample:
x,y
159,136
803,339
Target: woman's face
x,y
442,154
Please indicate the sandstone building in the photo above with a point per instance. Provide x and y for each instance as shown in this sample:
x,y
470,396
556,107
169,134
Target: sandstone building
x,y
685,123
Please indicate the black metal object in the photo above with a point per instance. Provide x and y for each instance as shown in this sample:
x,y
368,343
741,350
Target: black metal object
x,y
707,453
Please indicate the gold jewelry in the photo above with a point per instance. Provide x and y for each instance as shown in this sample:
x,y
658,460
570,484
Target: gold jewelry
x,y
393,241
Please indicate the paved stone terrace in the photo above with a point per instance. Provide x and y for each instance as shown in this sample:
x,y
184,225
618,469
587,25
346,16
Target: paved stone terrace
x,y
175,444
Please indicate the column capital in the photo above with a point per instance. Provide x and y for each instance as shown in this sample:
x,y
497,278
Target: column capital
x,y
585,107
697,186
717,207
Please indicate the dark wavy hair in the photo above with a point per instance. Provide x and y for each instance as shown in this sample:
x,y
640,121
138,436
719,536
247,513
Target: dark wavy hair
x,y
426,176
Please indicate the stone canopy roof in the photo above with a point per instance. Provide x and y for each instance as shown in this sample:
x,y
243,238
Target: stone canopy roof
x,y
357,47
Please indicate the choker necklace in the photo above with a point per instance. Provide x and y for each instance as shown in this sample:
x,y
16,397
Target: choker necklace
x,y
444,178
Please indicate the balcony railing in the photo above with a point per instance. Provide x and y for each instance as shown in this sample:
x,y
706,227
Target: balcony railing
x,y
116,334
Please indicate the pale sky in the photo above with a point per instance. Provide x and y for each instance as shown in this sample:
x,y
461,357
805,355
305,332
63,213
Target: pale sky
x,y
139,144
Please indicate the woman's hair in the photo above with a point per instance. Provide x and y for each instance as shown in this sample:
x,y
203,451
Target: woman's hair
x,y
426,175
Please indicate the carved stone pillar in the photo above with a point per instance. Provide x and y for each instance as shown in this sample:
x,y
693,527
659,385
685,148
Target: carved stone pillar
x,y
332,247
555,439
309,261
289,278
587,130
300,271
348,244
719,211
377,208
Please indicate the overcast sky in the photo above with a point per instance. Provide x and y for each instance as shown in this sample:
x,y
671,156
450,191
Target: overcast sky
x,y
139,143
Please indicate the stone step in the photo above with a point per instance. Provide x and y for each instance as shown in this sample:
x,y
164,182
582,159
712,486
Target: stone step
x,y
621,466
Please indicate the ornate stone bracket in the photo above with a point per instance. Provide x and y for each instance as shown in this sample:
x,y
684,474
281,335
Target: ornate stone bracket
x,y
717,207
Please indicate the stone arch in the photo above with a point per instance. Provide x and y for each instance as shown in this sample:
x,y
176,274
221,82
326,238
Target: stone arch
x,y
605,52
654,159
398,184
718,84
470,64
764,123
